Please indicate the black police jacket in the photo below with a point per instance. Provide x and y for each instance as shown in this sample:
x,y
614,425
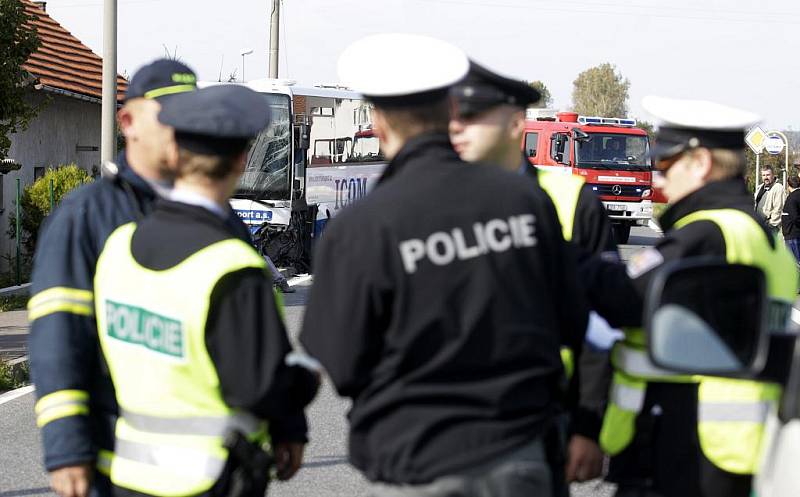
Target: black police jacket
x,y
64,351
439,305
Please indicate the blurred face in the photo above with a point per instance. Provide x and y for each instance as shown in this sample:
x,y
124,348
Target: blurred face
x,y
683,174
151,145
491,136
767,177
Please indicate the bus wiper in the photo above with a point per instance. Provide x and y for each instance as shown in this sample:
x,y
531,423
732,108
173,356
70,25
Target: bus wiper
x,y
594,164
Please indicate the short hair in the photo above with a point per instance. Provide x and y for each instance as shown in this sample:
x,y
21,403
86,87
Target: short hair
x,y
727,164
767,167
793,181
411,120
211,166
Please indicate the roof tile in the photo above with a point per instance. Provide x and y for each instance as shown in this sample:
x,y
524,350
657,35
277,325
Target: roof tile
x,y
62,61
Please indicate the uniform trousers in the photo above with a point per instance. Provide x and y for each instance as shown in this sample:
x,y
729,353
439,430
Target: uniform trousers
x,y
523,472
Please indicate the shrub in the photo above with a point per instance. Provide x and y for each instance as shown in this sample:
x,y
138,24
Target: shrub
x,y
35,201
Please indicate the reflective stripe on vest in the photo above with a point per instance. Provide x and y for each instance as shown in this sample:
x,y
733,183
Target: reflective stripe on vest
x,y
151,324
568,360
731,413
636,363
564,190
211,426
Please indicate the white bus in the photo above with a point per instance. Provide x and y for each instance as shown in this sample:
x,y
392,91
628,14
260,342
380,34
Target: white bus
x,y
317,156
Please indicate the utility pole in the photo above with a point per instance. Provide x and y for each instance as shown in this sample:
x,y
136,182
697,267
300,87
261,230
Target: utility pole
x,y
108,138
274,38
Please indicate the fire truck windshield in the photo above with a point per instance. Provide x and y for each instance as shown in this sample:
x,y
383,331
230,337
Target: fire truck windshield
x,y
266,175
613,151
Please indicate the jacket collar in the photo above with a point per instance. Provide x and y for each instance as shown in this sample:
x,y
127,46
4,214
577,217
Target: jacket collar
x,y
725,194
432,145
127,174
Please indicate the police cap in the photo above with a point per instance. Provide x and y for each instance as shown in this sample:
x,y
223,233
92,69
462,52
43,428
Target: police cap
x,y
396,70
161,78
483,89
689,124
218,120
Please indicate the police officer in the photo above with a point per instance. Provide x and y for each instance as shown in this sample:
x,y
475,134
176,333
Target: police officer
x,y
189,326
694,436
487,126
76,403
436,301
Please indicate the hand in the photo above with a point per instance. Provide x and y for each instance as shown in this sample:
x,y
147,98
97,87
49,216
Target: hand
x,y
72,481
288,458
584,459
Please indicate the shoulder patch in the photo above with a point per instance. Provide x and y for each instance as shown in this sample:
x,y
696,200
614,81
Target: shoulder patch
x,y
643,261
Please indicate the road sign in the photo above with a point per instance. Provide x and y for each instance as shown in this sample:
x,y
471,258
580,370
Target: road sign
x,y
755,139
774,145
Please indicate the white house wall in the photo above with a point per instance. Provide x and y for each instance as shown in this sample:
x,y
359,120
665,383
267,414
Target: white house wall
x,y
67,130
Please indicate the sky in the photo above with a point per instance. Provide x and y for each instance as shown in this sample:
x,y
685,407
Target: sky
x,y
744,53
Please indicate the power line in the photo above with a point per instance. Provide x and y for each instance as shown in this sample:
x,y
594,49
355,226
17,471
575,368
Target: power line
x,y
654,13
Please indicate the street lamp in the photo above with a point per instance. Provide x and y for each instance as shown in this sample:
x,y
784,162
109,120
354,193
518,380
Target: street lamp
x,y
245,51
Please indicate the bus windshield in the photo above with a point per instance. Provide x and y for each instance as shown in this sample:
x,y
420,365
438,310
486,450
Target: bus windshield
x,y
613,151
266,175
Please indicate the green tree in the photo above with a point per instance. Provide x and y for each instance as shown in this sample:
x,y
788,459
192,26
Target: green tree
x,y
547,99
601,91
35,201
17,43
647,126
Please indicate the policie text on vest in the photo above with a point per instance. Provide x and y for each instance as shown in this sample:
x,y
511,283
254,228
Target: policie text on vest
x,y
442,247
137,326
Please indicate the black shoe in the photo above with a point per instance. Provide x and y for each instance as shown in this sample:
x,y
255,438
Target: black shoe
x,y
284,287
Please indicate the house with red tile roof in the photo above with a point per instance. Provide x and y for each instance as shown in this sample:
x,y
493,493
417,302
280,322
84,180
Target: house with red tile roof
x,y
68,82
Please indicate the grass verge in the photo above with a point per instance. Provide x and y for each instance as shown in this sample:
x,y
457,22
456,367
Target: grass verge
x,y
13,303
14,376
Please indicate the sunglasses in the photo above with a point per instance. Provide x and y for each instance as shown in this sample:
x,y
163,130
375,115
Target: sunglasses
x,y
663,165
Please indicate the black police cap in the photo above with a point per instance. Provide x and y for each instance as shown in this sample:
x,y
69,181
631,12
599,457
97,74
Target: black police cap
x,y
483,89
161,78
218,120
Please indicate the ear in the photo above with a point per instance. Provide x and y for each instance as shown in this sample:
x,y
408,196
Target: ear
x,y
703,164
172,156
125,119
517,125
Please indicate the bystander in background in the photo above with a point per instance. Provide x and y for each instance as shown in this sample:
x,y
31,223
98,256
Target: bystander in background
x,y
769,199
790,217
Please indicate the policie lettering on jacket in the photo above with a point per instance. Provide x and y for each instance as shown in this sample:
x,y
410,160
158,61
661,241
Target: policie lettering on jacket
x,y
496,235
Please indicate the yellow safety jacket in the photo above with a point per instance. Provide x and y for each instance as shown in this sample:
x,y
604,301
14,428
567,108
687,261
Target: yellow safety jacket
x,y
731,413
151,324
564,190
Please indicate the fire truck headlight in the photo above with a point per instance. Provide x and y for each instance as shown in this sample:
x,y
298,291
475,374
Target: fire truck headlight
x,y
647,193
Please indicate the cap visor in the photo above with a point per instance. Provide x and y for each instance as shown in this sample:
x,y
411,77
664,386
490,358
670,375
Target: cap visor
x,y
665,150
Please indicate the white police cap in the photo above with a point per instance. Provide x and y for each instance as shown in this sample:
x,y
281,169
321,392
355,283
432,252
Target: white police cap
x,y
390,66
689,124
680,113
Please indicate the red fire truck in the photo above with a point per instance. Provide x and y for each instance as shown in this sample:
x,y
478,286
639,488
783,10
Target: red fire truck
x,y
609,153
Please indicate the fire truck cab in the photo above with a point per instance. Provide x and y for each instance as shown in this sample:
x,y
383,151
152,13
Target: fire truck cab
x,y
609,153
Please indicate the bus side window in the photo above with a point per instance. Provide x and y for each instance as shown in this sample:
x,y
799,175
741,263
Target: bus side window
x,y
531,144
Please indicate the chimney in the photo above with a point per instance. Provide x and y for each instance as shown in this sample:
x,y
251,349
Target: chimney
x,y
41,4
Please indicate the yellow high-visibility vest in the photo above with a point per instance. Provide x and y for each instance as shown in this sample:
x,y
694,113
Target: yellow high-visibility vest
x,y
731,413
151,324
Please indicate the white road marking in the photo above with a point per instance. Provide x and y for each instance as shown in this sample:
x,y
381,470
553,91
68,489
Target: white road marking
x,y
15,394
300,279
